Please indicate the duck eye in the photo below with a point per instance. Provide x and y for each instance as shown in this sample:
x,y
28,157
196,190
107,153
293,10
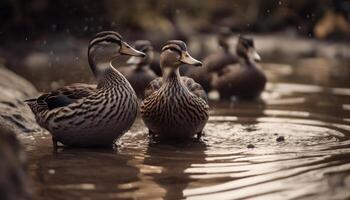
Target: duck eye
x,y
111,40
173,49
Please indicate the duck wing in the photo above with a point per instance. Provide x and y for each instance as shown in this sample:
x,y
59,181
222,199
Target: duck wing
x,y
195,88
191,85
77,91
216,62
153,86
61,97
229,77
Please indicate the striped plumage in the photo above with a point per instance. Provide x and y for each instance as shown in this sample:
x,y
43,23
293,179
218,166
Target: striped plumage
x,y
175,106
88,115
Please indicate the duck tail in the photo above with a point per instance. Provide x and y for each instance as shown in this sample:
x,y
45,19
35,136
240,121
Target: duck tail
x,y
31,103
30,100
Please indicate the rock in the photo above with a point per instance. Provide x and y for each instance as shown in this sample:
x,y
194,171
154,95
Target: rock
x,y
13,168
12,81
280,139
250,146
15,114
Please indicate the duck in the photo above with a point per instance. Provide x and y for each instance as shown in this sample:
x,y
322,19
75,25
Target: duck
x,y
86,115
175,107
244,80
215,62
223,57
138,72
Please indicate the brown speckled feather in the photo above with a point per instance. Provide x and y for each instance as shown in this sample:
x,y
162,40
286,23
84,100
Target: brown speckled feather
x,y
217,62
63,96
191,85
77,90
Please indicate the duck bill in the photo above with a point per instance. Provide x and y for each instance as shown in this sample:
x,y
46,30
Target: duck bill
x,y
186,58
126,49
255,55
134,60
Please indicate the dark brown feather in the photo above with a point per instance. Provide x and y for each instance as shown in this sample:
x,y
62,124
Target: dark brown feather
x,y
191,85
63,96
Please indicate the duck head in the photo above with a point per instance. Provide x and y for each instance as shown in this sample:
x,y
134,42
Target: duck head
x,y
224,36
174,53
144,46
106,46
246,50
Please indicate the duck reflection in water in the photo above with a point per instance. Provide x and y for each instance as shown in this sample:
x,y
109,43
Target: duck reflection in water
x,y
72,173
246,113
164,168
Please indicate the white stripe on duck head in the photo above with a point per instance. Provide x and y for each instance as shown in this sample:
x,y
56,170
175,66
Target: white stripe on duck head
x,y
105,47
174,54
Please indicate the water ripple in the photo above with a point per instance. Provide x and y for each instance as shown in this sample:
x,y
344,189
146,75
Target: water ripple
x,y
289,147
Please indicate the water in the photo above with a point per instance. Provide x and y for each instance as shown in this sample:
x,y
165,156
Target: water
x,y
295,144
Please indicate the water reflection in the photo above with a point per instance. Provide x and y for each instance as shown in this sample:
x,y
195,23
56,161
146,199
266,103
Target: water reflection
x,y
162,165
80,173
221,166
174,160
272,170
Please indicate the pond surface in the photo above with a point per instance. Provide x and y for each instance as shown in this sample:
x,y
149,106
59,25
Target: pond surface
x,y
294,144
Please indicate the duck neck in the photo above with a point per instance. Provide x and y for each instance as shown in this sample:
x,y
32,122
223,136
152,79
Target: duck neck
x,y
225,47
110,77
99,64
93,65
105,74
246,61
171,75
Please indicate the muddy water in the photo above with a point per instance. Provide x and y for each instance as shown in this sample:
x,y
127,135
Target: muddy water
x,y
294,144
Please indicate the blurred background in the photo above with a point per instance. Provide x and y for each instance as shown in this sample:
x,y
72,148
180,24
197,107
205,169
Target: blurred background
x,y
30,20
41,36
